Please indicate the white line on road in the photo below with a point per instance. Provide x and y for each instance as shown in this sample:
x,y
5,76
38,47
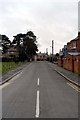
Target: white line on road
x,y
74,87
37,104
4,85
15,77
38,82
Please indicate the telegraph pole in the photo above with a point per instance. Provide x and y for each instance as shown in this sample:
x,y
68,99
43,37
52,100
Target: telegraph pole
x,y
46,50
52,49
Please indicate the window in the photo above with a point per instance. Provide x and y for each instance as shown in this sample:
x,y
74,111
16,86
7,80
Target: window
x,y
74,44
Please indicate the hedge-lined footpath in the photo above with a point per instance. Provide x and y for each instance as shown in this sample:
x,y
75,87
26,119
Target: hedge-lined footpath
x,y
7,66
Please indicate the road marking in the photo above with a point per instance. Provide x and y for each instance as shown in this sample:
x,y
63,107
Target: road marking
x,y
74,87
4,85
37,105
9,80
15,77
38,82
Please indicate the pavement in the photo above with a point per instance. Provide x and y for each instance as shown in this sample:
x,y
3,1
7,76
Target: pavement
x,y
39,92
4,78
72,77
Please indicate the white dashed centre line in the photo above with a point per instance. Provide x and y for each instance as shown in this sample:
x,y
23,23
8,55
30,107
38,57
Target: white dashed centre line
x,y
37,101
37,104
38,82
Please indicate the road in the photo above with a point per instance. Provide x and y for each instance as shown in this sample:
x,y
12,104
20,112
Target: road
x,y
39,91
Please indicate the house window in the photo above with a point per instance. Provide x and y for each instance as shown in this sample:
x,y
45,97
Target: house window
x,y
74,45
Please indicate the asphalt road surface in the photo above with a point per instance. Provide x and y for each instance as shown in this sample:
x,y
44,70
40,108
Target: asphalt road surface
x,y
39,92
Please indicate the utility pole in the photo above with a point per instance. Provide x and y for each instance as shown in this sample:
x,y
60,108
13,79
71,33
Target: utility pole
x,y
46,50
52,49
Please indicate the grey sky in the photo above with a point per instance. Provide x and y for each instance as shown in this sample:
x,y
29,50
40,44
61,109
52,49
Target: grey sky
x,y
49,19
79,16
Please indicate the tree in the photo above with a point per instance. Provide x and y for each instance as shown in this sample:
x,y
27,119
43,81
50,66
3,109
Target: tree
x,y
0,41
30,44
25,44
5,43
18,44
57,55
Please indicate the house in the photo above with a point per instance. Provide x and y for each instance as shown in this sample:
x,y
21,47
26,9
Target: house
x,y
41,56
10,55
71,56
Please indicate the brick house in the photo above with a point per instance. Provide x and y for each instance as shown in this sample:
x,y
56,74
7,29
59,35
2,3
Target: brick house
x,y
74,53
71,60
41,56
12,54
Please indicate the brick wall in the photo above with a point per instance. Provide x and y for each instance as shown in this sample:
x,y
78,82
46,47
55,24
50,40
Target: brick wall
x,y
77,64
78,44
60,62
67,63
72,63
71,60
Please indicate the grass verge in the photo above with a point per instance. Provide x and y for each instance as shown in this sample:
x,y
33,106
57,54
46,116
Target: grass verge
x,y
8,66
0,67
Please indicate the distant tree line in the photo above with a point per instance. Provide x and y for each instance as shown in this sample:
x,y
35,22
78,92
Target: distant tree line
x,y
25,45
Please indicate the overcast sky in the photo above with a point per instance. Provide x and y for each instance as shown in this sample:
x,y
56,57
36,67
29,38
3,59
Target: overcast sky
x,y
49,20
